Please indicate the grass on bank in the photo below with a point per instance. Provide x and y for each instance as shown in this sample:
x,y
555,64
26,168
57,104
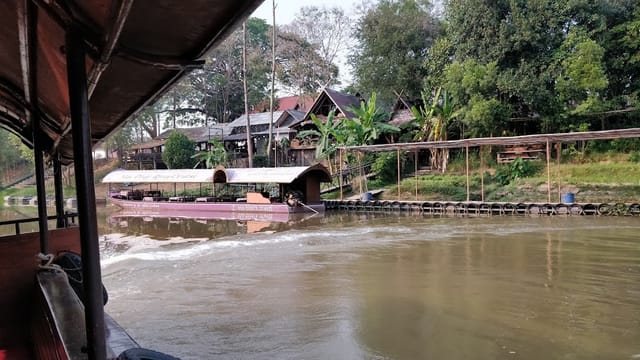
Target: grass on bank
x,y
596,178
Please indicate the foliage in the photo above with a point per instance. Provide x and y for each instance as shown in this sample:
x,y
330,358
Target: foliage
x,y
634,157
433,119
328,135
260,161
327,29
179,151
517,169
214,157
550,64
386,166
368,124
393,40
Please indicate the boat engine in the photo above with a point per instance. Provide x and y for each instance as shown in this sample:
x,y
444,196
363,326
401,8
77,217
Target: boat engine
x,y
71,263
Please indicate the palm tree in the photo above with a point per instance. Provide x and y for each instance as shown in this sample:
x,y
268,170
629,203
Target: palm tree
x,y
365,128
329,135
432,120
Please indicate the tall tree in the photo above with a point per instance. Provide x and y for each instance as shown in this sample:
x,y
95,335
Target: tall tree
x,y
328,30
393,41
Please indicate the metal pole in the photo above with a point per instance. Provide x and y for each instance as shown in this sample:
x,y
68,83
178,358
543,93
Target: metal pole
x,y
467,153
59,196
90,251
548,171
29,58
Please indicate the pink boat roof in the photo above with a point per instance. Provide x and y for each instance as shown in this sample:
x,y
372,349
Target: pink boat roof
x,y
279,175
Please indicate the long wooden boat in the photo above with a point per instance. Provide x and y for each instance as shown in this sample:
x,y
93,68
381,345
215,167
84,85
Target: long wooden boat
x,y
285,190
71,72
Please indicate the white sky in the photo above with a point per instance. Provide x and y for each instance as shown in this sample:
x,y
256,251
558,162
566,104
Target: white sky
x,y
287,9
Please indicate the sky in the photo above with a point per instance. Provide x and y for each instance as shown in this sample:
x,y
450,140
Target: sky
x,y
287,9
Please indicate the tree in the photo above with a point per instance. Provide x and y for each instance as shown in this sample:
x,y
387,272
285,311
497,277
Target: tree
x,y
365,128
300,69
328,135
433,120
179,151
393,41
582,77
328,30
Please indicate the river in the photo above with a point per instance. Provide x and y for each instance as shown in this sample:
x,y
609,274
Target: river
x,y
374,286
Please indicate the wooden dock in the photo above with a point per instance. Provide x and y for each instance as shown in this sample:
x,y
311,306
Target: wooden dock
x,y
486,208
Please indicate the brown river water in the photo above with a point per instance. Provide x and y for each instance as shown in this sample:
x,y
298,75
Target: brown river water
x,y
375,286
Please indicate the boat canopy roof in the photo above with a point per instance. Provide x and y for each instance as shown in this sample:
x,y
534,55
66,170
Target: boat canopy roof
x,y
136,51
280,175
160,176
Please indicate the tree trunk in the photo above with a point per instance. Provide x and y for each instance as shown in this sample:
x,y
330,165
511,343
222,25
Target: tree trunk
x,y
273,80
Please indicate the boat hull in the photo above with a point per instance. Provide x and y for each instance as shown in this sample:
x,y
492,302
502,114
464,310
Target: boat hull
x,y
216,210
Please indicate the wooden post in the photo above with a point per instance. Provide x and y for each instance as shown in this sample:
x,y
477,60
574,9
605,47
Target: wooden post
x,y
548,171
399,178
558,150
467,156
340,175
481,174
415,161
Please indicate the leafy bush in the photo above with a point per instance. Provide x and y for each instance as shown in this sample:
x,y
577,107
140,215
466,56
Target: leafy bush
x,y
179,151
634,157
260,161
517,169
386,166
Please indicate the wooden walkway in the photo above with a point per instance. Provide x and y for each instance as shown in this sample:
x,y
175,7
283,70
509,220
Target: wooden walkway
x,y
486,208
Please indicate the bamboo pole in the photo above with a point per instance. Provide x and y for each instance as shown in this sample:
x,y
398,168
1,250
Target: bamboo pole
x,y
399,178
548,171
340,175
415,161
467,160
558,150
481,174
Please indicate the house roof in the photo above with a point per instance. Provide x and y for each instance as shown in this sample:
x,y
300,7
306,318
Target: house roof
x,y
280,118
137,50
401,113
197,134
342,102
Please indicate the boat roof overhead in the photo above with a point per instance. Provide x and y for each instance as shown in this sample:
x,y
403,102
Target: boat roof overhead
x,y
281,175
135,51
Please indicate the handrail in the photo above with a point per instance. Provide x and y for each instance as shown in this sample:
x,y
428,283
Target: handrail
x,y
17,222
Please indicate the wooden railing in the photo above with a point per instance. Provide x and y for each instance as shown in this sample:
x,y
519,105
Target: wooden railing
x,y
68,218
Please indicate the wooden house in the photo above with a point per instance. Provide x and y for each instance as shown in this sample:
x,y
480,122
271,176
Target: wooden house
x,y
303,153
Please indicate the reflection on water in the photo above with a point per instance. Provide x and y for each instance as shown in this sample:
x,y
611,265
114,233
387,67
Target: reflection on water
x,y
388,287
